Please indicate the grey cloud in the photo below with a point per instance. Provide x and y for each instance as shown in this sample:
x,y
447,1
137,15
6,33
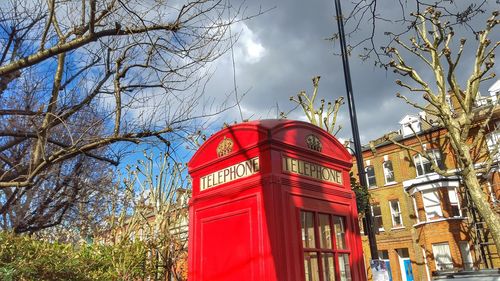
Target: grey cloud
x,y
293,36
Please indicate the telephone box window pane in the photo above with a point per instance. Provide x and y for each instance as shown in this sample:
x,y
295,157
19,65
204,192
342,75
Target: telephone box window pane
x,y
345,269
307,225
338,227
311,268
325,232
328,267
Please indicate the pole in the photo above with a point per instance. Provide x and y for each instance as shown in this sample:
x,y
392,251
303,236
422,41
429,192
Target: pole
x,y
355,130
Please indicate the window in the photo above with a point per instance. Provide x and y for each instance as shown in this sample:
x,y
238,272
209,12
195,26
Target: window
x,y
370,176
377,217
423,165
454,205
384,255
442,256
388,171
432,204
325,247
466,255
492,140
397,220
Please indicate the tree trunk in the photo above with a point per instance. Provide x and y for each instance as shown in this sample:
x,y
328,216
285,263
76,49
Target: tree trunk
x,y
482,204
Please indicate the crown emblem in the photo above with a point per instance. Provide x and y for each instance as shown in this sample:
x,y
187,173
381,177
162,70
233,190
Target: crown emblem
x,y
225,147
314,143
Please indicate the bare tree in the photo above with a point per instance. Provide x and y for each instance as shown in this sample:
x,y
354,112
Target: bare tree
x,y
154,211
452,102
366,21
325,118
81,79
434,66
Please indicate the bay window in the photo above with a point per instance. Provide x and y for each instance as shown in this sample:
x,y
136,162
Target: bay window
x,y
432,204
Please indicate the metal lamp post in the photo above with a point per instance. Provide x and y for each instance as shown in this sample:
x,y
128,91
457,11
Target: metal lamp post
x,y
354,126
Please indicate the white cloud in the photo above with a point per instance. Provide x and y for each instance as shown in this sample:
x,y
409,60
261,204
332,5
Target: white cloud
x,y
248,49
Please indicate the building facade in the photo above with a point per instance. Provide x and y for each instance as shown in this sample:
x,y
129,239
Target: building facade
x,y
425,223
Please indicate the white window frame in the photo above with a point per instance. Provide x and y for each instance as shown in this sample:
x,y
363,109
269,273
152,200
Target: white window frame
x,y
492,140
394,213
428,207
388,173
420,161
368,178
454,200
381,227
444,248
465,252
415,209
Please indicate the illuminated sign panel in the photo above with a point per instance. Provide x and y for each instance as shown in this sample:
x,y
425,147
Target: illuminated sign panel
x,y
231,173
311,170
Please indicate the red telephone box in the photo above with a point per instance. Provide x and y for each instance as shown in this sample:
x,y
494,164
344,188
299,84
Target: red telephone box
x,y
272,201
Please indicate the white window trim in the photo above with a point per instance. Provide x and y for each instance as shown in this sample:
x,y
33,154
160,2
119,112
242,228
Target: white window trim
x,y
421,159
439,220
427,218
449,252
386,174
392,215
458,201
374,176
415,209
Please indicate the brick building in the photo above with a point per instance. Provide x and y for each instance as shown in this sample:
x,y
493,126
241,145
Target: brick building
x,y
424,221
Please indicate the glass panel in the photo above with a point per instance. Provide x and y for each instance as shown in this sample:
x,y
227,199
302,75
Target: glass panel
x,y
311,269
388,171
418,164
442,256
403,252
396,213
452,195
325,232
436,154
466,255
427,166
370,176
328,267
377,217
338,227
307,227
345,269
432,204
384,254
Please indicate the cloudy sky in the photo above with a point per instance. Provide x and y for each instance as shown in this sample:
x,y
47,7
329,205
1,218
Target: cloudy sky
x,y
279,52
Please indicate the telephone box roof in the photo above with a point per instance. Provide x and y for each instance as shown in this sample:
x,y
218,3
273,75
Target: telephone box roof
x,y
288,134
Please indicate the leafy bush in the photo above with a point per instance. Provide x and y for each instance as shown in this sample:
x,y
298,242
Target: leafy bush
x,y
24,258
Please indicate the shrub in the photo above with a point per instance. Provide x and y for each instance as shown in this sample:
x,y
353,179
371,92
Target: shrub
x,y
24,258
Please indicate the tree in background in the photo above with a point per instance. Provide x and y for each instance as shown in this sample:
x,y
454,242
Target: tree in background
x,y
430,59
80,80
151,209
433,43
326,118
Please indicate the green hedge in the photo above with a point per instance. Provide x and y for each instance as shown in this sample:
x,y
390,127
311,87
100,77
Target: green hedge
x,y
24,258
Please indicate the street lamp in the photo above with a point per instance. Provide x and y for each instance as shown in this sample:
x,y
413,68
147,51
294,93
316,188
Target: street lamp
x,y
355,130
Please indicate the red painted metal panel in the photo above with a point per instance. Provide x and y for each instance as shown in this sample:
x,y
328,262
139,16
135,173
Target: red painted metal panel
x,y
250,183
